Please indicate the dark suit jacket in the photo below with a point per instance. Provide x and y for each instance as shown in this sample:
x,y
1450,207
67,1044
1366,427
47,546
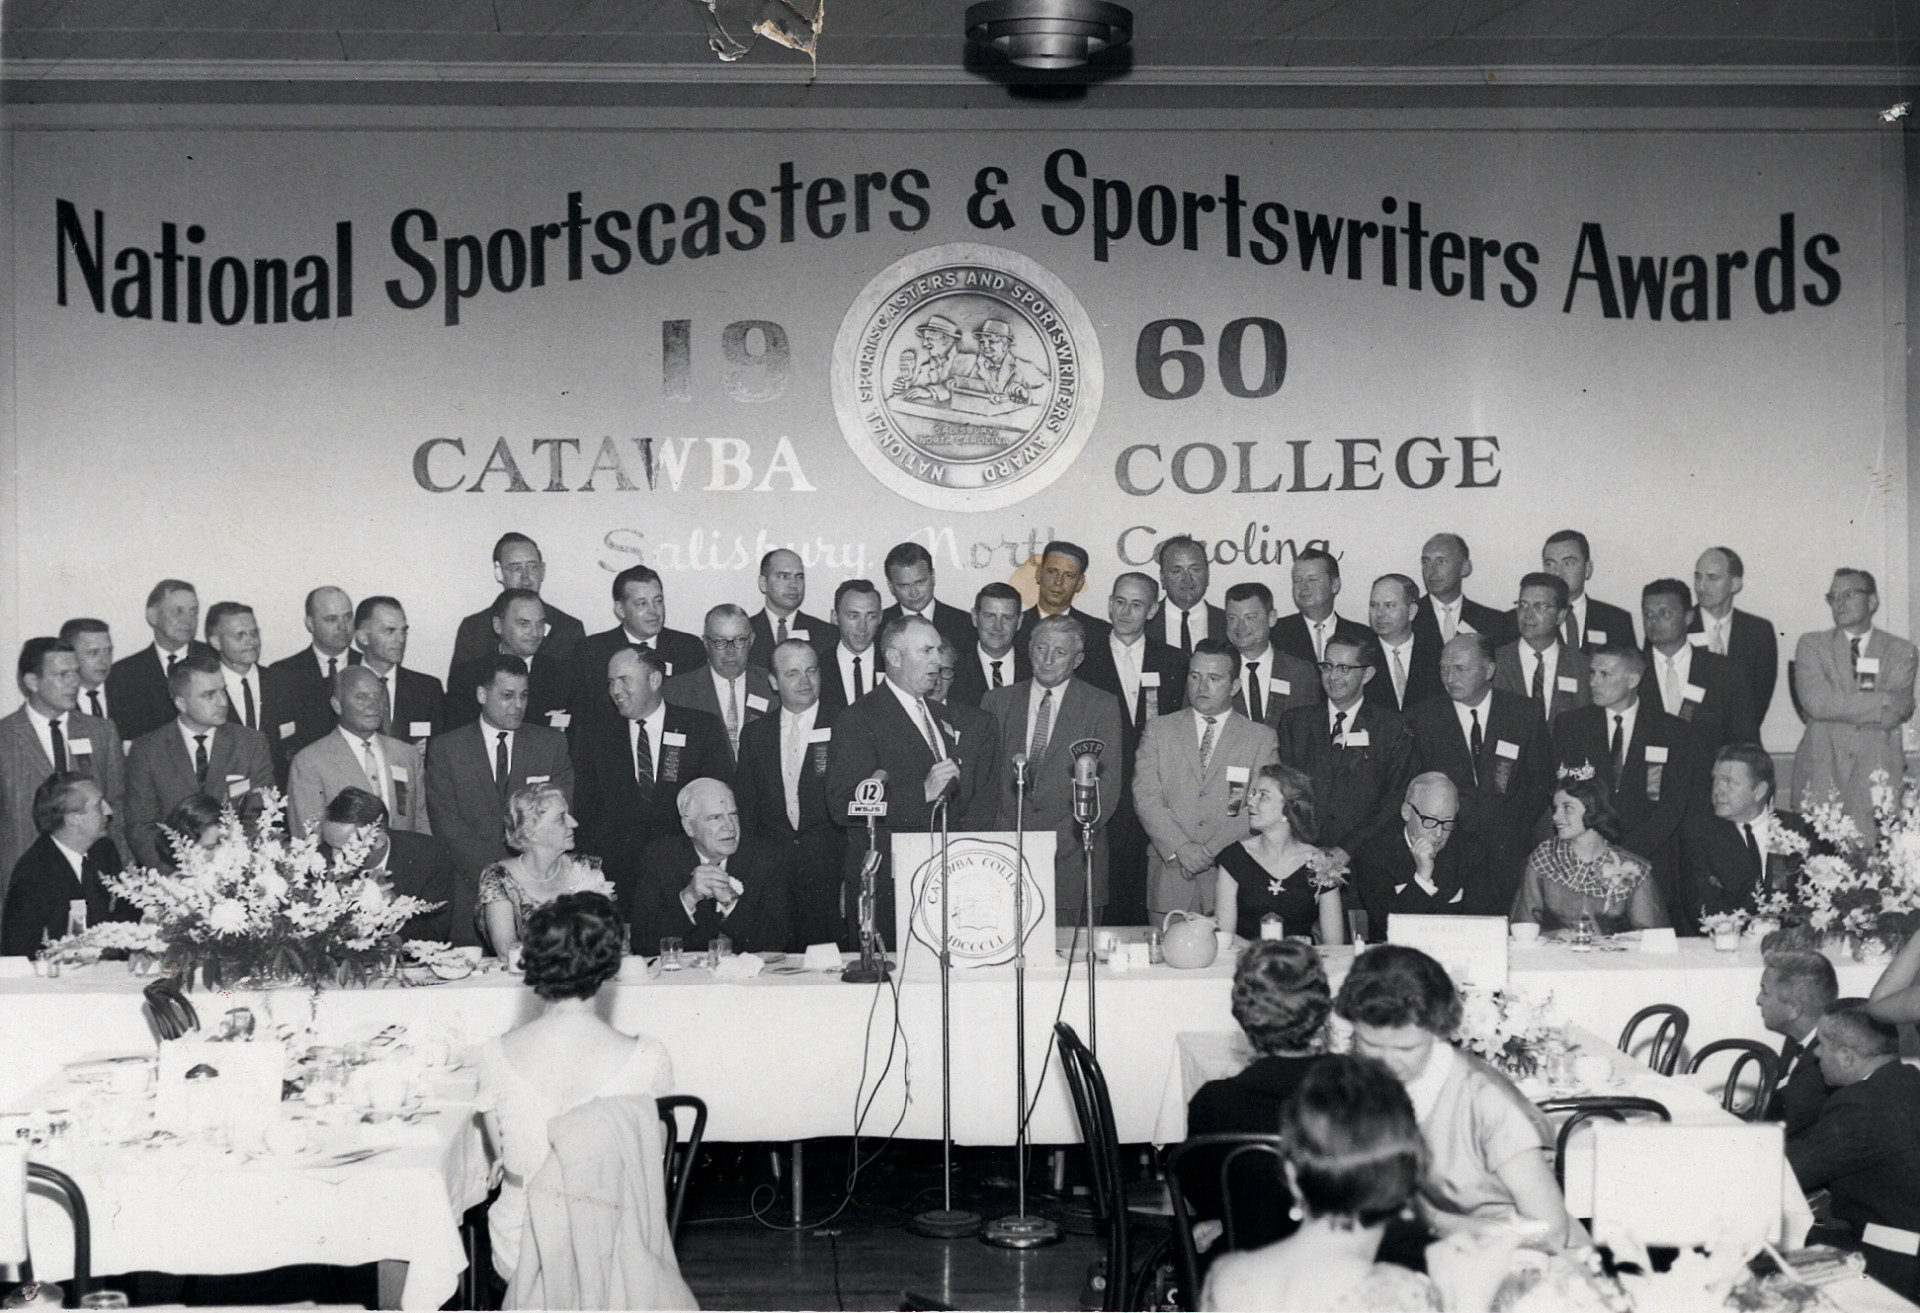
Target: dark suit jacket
x,y
1506,794
1602,618
475,639
42,885
420,866
463,802
1483,620
1357,790
160,777
1291,635
1250,1101
588,700
954,624
615,824
834,692
1724,715
1423,675
1301,677
303,687
1168,662
821,634
1865,1149
816,852
1802,1091
1080,712
549,683
759,920
694,691
970,684
1096,629
1753,645
137,697
1509,673
1716,870
1383,883
419,705
1652,797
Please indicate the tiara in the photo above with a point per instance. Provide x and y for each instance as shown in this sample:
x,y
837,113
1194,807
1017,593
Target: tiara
x,y
1584,771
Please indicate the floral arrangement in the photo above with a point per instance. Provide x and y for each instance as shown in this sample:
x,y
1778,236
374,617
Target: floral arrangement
x,y
1867,893
1724,923
261,908
1507,1029
1326,870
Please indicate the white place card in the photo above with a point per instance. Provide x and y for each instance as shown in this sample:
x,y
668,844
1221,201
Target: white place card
x,y
1473,949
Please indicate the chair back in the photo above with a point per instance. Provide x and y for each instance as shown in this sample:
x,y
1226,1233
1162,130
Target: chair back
x,y
1094,1110
1663,1052
82,1279
1586,1108
1766,1064
1218,1156
169,1014
680,1156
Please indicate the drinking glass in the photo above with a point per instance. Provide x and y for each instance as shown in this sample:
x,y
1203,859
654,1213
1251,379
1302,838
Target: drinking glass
x,y
718,947
104,1299
670,954
1357,928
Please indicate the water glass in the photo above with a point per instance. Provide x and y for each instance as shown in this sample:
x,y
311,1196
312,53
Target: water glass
x,y
1154,953
104,1299
1583,934
718,947
670,954
1357,928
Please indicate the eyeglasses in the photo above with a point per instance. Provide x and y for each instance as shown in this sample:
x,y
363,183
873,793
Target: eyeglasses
x,y
1435,822
1340,668
739,644
1537,608
1845,595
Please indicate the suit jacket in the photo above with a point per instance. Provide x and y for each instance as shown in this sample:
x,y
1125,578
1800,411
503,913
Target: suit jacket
x,y
324,768
549,687
1302,680
1178,803
694,691
1357,787
1167,662
1653,797
419,705
1502,794
1080,711
464,807
475,639
588,699
1753,645
1718,873
1096,628
1848,734
970,683
954,624
1801,1092
1292,636
1607,626
40,886
616,824
816,851
1481,619
1723,715
833,690
1464,884
24,767
419,866
160,777
1423,675
1509,673
304,702
758,923
1865,1149
137,697
821,634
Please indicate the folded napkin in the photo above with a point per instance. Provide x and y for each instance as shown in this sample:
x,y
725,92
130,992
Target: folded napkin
x,y
822,957
740,966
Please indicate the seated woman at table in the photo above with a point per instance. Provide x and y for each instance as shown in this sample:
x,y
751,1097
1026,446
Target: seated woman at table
x,y
561,1059
195,821
540,831
1583,870
1490,1146
1354,1159
1278,869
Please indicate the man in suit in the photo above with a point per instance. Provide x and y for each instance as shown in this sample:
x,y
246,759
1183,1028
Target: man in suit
x,y
783,583
978,733
1795,988
640,606
306,677
1747,640
1588,623
1060,577
403,863
898,729
1649,761
996,660
1856,686
1359,756
909,574
852,669
727,688
1743,843
516,564
137,692
1538,665
1423,866
199,751
519,628
1865,1146
1190,781
1270,681
709,882
256,697
1042,720
1446,610
1687,680
92,642
780,786
416,704
1185,574
64,865
632,769
1316,586
1496,751
476,768
1409,655
45,736
358,755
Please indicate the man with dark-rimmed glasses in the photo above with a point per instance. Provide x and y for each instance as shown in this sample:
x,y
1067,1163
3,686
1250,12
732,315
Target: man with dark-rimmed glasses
x,y
1424,866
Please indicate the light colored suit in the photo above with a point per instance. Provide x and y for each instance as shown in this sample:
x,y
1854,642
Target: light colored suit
x,y
24,767
1850,733
1178,803
328,765
160,777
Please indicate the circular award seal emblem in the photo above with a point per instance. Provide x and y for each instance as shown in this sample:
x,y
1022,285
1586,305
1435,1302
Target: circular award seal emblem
x,y
966,377
980,915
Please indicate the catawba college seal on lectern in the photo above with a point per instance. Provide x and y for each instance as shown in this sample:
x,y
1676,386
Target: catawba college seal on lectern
x,y
980,913
966,377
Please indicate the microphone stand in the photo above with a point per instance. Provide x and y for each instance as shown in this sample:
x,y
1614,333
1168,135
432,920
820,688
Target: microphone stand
x,y
1019,1231
1086,846
873,967
945,1222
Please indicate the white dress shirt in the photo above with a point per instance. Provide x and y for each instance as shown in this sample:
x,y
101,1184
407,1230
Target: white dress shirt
x,y
656,723
381,774
1719,631
796,728
868,674
42,730
987,660
922,718
1127,659
1529,659
1673,690
1196,622
237,699
74,859
1628,715
1447,616
1465,714
1404,650
1319,631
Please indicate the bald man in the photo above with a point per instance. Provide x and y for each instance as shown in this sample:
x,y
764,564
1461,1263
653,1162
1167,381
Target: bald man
x,y
358,755
1446,610
708,881
306,678
783,583
1423,866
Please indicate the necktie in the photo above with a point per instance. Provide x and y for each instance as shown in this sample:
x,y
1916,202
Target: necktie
x,y
1042,722
386,726
859,681
1670,685
373,769
173,659
1339,728
1573,632
934,741
733,716
59,742
1539,693
643,760
783,629
1448,623
93,697
501,766
793,753
1853,648
1617,749
1254,708
999,680
1476,741
333,668
1718,645
1399,680
1320,641
1186,633
200,757
1753,849
1206,742
246,691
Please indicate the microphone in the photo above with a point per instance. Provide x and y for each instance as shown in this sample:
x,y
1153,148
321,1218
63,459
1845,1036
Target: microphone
x,y
1086,781
1020,782
879,777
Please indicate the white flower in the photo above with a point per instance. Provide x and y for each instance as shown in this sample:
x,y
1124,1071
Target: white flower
x,y
227,917
272,886
371,898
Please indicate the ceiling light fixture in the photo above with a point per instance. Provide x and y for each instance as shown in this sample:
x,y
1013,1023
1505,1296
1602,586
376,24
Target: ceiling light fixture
x,y
1049,34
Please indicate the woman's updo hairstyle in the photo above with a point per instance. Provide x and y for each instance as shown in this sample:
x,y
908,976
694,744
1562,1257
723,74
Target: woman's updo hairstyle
x,y
1393,985
572,946
1602,817
1280,995
1296,788
1351,1136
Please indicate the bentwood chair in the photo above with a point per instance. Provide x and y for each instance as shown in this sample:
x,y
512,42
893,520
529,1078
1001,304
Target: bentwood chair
x,y
1663,1052
1246,1168
1585,1108
680,1154
76,1202
1766,1065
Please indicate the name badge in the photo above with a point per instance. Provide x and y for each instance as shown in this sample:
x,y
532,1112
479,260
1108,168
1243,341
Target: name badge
x,y
76,914
1238,775
288,729
1511,751
1356,738
1464,628
669,667
80,747
238,786
559,719
1656,754
756,703
420,729
1597,637
1867,665
673,738
820,735
1149,679
1280,686
1567,684
538,779
1692,693
400,775
1700,638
